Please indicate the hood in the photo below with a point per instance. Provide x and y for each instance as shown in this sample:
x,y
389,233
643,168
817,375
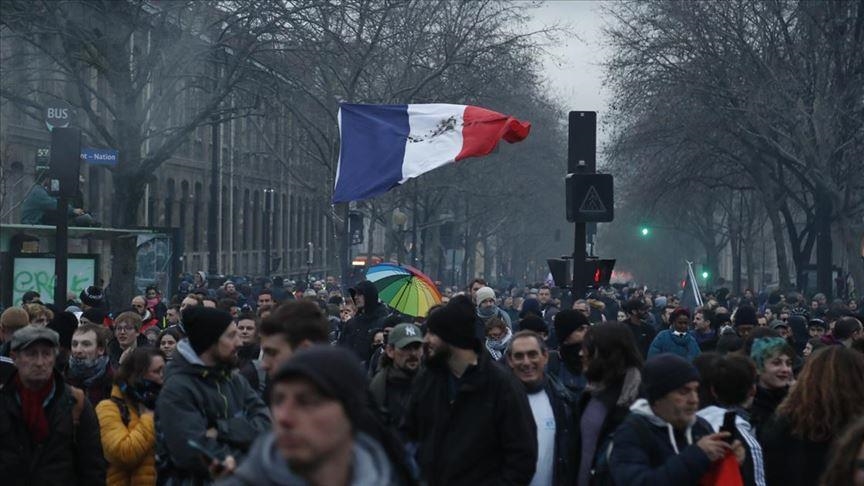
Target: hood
x,y
265,464
370,295
642,408
186,361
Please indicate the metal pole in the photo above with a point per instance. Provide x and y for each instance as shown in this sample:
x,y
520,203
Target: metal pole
x,y
61,253
414,216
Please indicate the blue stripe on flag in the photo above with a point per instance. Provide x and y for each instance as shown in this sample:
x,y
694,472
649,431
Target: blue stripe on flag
x,y
372,150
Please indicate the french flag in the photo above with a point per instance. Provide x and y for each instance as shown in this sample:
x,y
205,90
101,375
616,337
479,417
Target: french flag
x,y
383,146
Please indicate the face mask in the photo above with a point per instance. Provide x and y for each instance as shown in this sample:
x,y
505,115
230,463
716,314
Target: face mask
x,y
570,356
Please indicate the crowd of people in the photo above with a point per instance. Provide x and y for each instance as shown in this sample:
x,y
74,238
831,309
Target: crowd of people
x,y
239,385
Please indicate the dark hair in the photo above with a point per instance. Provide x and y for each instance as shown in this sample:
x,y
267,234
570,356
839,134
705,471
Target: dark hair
x,y
226,304
477,280
759,333
136,365
679,311
632,305
102,334
729,343
733,377
265,292
845,327
706,363
612,350
527,334
297,321
171,331
841,467
827,396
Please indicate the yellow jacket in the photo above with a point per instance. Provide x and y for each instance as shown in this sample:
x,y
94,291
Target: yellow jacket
x,y
130,449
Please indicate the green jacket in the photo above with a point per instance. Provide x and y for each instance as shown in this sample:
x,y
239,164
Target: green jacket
x,y
37,204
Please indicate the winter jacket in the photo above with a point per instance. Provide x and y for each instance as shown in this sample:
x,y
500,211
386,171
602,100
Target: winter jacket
x,y
130,447
483,435
265,465
69,456
671,457
359,331
791,460
764,404
643,334
390,389
753,469
38,204
196,398
616,400
667,342
565,434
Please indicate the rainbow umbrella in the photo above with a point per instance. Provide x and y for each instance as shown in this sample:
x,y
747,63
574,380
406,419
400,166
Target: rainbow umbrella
x,y
404,288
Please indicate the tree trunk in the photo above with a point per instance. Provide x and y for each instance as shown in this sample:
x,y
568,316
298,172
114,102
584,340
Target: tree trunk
x,y
853,246
128,194
779,246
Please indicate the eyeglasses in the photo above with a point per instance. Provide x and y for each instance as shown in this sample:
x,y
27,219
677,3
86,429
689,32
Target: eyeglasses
x,y
123,329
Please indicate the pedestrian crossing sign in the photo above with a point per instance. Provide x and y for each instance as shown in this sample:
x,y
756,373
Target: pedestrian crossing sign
x,y
589,198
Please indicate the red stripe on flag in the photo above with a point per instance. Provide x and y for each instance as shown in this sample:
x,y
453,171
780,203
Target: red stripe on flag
x,y
482,129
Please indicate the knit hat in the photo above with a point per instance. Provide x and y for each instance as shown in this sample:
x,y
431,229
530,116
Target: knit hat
x,y
484,293
336,373
567,321
533,323
665,373
745,315
92,296
454,325
204,326
530,306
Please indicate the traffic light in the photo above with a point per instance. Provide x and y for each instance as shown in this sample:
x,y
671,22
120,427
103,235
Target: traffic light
x,y
644,231
599,272
705,274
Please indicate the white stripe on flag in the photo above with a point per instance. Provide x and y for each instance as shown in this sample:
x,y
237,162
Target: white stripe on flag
x,y
435,138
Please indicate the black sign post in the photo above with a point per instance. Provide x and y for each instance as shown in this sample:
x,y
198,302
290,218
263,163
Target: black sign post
x,y
589,195
65,162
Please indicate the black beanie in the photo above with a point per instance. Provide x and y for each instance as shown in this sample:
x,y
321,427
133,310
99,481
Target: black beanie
x,y
665,373
746,315
204,326
336,372
454,324
567,321
64,323
533,323
92,296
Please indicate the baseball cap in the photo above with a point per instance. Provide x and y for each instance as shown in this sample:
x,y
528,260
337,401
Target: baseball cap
x,y
778,323
28,335
404,334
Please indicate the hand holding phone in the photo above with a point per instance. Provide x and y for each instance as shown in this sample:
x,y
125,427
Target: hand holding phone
x,y
729,425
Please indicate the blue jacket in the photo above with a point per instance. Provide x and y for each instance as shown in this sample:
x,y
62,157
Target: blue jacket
x,y
667,342
646,452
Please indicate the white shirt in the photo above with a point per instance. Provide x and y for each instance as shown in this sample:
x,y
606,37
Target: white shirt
x,y
544,418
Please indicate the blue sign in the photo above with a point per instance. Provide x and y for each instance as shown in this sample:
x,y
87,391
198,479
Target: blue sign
x,y
99,156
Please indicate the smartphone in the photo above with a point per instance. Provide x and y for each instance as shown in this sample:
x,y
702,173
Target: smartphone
x,y
204,451
729,425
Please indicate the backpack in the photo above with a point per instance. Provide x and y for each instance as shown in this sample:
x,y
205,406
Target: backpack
x,y
601,473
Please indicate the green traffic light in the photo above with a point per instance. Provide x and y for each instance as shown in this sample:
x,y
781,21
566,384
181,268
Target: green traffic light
x,y
645,231
705,275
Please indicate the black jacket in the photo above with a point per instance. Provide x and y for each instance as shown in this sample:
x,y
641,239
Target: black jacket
x,y
643,334
643,453
69,456
563,472
764,404
484,435
390,389
358,332
791,460
615,414
196,398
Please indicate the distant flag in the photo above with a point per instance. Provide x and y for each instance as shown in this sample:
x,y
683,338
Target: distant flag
x,y
691,298
383,146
